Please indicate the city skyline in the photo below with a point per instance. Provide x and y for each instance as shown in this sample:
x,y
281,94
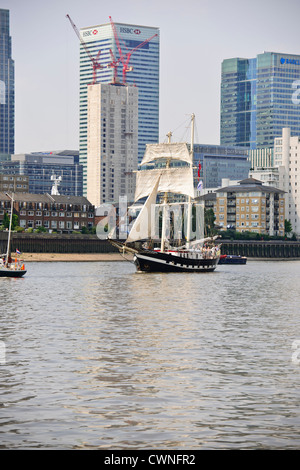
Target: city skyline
x,y
195,37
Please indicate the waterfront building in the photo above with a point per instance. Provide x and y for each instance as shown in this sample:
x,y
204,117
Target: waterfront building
x,y
14,183
41,167
208,200
142,71
53,212
287,160
251,206
112,149
259,96
270,176
7,89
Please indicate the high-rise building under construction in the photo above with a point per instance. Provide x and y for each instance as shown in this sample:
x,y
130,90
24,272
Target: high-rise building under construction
x,y
112,136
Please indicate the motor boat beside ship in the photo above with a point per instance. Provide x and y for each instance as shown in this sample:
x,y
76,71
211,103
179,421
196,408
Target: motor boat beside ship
x,y
232,259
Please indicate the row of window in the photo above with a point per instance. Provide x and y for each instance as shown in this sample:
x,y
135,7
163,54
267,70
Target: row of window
x,y
56,214
54,225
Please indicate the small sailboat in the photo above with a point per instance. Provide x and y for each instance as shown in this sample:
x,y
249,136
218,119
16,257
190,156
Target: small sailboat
x,y
200,255
8,267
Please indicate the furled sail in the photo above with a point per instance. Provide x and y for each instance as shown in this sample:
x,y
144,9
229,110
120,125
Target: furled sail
x,y
141,228
178,180
173,151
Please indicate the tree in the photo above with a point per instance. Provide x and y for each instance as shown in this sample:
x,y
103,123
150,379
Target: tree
x,y
14,223
209,222
287,227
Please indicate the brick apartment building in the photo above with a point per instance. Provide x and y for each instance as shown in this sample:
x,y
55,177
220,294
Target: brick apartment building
x,y
63,214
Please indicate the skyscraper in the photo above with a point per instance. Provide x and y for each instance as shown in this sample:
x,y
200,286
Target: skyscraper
x,y
112,142
7,91
259,97
141,65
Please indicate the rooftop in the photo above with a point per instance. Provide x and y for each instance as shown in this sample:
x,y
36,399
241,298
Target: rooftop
x,y
250,184
47,198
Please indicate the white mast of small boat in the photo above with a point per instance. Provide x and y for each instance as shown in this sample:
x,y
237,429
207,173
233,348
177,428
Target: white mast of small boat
x,y
9,230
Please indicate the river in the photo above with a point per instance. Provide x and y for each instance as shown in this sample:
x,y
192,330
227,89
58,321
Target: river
x,y
96,356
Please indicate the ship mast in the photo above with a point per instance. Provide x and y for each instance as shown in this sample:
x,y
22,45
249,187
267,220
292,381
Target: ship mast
x,y
164,215
189,215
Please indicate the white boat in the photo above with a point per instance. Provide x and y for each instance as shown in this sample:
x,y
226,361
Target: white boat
x,y
10,267
194,256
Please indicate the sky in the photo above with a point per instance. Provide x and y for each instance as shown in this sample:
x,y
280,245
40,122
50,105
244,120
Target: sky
x,y
195,37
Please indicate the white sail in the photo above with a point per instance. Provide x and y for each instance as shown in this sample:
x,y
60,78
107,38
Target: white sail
x,y
173,151
178,180
141,228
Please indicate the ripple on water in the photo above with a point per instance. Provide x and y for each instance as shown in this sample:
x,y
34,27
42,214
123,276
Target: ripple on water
x,y
98,356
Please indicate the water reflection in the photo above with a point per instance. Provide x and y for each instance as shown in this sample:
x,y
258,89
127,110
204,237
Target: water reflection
x,y
99,356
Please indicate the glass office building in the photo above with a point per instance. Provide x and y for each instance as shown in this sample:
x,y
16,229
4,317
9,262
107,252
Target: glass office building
x,y
218,162
259,97
40,167
143,71
7,90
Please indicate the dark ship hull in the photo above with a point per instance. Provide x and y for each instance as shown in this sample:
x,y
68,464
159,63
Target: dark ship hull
x,y
11,272
152,261
168,261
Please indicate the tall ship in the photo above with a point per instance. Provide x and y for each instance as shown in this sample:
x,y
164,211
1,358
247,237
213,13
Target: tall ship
x,y
165,179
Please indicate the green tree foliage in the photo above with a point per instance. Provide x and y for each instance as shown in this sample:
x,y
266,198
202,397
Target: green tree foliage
x,y
209,222
14,223
287,227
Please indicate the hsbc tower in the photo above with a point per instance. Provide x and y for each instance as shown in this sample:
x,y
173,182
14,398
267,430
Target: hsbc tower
x,y
100,62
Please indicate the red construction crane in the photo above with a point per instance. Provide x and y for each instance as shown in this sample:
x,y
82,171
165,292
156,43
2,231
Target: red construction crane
x,y
114,63
124,59
95,60
116,38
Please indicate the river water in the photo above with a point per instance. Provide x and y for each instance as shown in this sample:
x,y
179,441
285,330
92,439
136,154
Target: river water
x,y
97,356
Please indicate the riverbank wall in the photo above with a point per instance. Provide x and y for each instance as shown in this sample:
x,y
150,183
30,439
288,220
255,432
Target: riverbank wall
x,y
88,244
56,243
262,248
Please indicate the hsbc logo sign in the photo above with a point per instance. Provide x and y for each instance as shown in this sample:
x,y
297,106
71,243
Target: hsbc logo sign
x,y
130,30
90,33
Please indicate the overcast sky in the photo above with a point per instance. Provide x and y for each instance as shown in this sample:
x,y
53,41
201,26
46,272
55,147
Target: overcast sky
x,y
195,36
